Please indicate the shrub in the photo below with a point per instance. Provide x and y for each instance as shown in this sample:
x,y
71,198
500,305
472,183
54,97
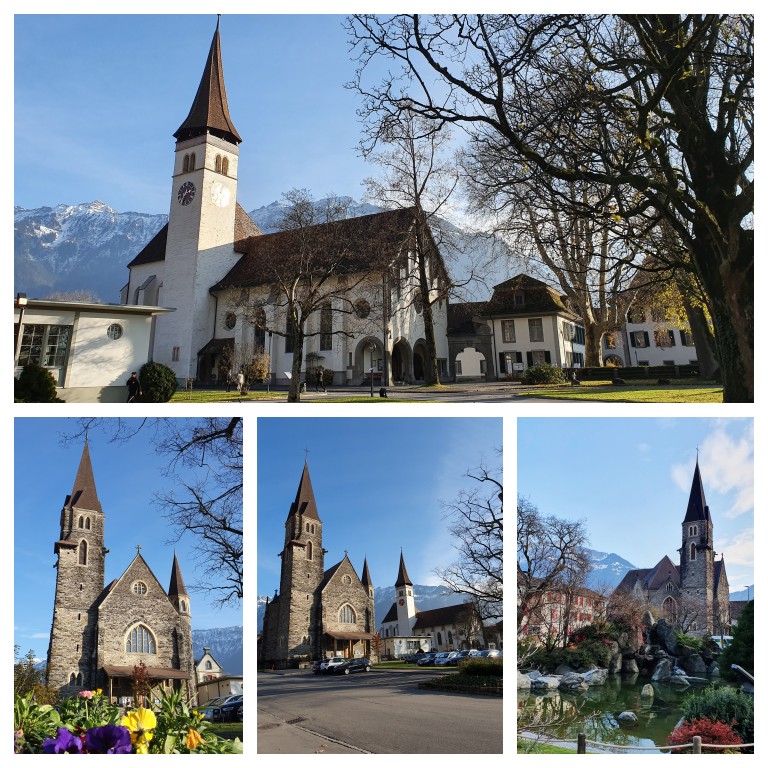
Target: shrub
x,y
725,705
544,374
741,651
158,382
711,732
35,385
475,667
689,641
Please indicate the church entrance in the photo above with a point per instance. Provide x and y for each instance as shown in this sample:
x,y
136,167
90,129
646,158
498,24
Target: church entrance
x,y
401,362
349,645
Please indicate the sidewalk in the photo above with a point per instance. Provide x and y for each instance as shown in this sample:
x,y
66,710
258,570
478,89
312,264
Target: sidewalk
x,y
275,737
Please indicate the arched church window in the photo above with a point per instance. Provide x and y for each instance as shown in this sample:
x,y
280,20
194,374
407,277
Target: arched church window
x,y
439,638
139,588
450,637
312,528
693,551
192,161
87,523
185,164
218,164
79,678
183,606
669,609
225,166
208,665
82,553
72,679
309,550
347,614
670,587
80,521
307,528
140,640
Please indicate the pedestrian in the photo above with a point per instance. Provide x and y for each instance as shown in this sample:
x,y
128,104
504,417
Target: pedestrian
x,y
229,379
134,388
319,380
241,382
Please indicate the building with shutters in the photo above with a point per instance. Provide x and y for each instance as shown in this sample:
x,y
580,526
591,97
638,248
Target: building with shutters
x,y
101,633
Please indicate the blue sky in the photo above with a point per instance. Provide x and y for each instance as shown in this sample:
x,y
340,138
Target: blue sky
x,y
103,94
378,483
630,479
127,476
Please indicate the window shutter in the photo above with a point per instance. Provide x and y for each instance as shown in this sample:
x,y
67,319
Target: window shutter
x,y
547,357
671,338
502,367
647,340
529,357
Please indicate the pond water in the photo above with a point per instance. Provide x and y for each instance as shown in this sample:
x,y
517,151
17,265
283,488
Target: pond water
x,y
594,712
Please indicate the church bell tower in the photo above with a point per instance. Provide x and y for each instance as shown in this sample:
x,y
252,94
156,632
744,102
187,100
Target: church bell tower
x,y
80,552
201,221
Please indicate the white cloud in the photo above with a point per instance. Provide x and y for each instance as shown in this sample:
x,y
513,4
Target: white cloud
x,y
740,550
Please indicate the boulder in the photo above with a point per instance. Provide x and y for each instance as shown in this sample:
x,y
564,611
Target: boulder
x,y
647,691
713,670
663,671
523,681
573,683
629,667
545,683
666,637
679,681
627,718
534,674
564,669
595,677
694,665
614,666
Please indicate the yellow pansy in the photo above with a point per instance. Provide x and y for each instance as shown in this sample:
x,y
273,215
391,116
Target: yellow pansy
x,y
141,723
194,739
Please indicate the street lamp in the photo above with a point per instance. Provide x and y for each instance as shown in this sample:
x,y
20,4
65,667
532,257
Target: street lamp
x,y
373,349
21,303
269,364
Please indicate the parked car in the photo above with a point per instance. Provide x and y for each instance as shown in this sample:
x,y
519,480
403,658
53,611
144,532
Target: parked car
x,y
490,653
427,659
462,655
327,665
441,660
231,710
352,665
211,710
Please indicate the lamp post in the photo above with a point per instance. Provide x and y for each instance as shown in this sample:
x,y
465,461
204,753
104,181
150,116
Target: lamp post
x,y
21,303
269,364
373,349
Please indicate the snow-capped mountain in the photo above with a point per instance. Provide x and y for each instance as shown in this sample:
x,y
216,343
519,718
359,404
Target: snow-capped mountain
x,y
226,644
426,597
748,593
607,569
86,247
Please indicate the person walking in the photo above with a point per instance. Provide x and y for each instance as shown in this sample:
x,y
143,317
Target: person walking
x,y
229,379
241,382
319,380
134,388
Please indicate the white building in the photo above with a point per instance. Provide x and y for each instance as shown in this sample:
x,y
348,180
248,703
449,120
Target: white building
x,y
90,349
213,266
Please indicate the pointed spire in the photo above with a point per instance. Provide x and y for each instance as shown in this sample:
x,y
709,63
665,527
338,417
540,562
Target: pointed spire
x,y
84,490
366,580
402,574
177,582
210,110
304,504
697,504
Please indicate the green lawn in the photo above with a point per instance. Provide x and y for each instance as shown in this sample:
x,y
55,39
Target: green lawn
x,y
632,393
228,731
534,748
219,396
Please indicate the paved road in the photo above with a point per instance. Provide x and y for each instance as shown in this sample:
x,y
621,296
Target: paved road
x,y
373,712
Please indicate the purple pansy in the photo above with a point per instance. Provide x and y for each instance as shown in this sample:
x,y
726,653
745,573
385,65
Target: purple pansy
x,y
65,742
108,740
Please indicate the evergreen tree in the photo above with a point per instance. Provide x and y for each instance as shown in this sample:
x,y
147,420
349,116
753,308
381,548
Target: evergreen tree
x,y
741,651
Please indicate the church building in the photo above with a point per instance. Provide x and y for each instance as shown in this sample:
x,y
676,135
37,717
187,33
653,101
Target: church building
x,y
227,281
695,593
100,634
318,612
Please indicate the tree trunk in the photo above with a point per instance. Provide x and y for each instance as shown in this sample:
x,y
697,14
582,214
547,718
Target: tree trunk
x,y
294,390
431,369
703,338
593,348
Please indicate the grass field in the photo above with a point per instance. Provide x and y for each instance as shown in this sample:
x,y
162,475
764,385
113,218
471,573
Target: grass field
x,y
632,393
526,747
228,731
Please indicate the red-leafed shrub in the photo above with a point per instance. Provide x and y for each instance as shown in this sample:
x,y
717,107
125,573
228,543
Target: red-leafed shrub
x,y
711,732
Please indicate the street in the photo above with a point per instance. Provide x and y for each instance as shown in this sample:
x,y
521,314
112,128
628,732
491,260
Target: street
x,y
373,712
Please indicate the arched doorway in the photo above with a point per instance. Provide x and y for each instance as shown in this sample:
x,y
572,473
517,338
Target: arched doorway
x,y
420,358
402,364
669,610
369,353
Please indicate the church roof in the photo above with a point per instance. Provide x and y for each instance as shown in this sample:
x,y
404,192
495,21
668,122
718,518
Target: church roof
x,y
347,246
697,504
177,582
366,579
657,576
402,574
83,493
304,503
437,617
154,250
391,614
525,295
210,110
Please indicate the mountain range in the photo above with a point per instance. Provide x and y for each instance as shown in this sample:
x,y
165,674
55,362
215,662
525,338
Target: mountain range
x,y
87,247
226,644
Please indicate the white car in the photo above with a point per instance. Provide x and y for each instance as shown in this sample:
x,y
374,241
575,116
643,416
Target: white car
x,y
327,665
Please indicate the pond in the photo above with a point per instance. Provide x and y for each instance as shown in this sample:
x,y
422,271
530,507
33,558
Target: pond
x,y
594,712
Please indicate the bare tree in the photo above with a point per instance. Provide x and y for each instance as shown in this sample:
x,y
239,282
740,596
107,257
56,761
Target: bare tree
x,y
205,458
657,108
551,558
418,175
477,517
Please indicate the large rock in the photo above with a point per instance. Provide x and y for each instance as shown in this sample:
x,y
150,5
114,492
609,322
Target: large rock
x,y
679,681
713,670
595,677
545,683
564,669
614,666
629,667
663,671
647,691
523,681
694,665
573,683
666,637
627,718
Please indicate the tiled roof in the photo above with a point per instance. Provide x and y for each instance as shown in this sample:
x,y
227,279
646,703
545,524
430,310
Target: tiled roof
x,y
460,317
449,614
538,298
391,614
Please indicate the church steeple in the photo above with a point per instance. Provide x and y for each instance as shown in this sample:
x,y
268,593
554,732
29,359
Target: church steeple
x,y
304,504
402,574
210,110
366,580
405,601
177,592
83,493
697,504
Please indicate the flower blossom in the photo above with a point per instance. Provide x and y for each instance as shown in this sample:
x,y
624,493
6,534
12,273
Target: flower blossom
x,y
108,740
141,723
194,739
64,743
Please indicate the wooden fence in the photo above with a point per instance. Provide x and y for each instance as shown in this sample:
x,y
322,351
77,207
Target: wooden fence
x,y
698,747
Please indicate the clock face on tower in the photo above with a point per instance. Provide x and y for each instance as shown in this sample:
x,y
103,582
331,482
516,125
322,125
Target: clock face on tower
x,y
220,194
401,601
186,193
